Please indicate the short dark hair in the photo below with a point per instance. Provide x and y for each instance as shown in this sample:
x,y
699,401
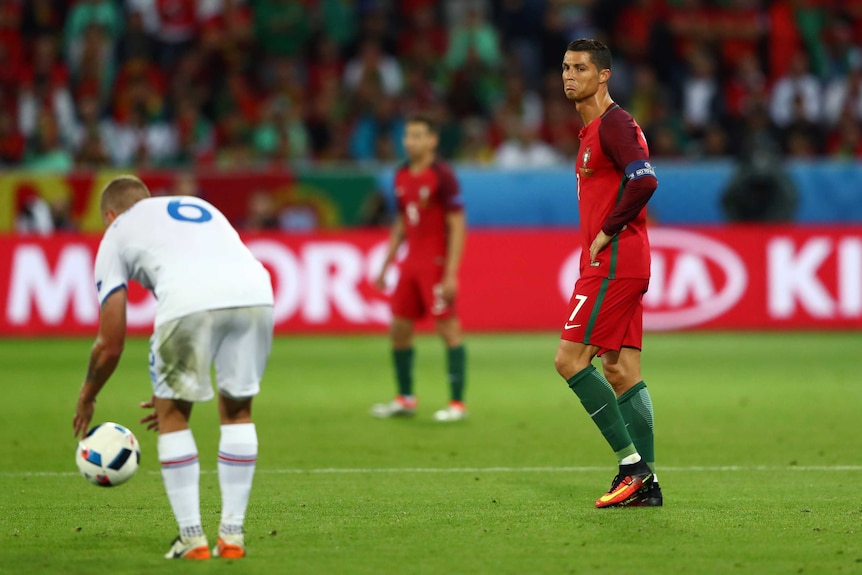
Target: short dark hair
x,y
600,55
420,118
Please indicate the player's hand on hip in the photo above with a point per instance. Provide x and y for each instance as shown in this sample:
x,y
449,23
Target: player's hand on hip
x,y
152,420
83,415
601,242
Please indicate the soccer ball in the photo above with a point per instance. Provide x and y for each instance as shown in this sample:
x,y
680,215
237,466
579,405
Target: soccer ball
x,y
108,455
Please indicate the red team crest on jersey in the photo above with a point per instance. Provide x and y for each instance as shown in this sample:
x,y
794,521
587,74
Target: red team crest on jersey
x,y
424,194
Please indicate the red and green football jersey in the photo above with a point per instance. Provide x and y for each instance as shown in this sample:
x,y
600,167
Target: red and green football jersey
x,y
424,199
612,152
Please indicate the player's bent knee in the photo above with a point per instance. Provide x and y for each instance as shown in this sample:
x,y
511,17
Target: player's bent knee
x,y
567,364
614,373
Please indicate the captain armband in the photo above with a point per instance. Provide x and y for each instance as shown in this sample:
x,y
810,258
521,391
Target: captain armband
x,y
639,169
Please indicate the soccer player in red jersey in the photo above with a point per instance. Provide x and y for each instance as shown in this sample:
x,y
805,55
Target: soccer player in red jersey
x,y
431,220
605,318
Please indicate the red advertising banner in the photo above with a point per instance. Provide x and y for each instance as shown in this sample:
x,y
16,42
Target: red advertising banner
x,y
714,278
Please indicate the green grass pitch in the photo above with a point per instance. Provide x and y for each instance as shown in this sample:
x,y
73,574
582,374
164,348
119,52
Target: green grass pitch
x,y
758,451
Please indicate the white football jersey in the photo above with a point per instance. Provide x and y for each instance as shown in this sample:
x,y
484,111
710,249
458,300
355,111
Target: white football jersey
x,y
186,252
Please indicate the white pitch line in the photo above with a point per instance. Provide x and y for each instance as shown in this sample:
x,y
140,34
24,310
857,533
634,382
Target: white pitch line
x,y
457,470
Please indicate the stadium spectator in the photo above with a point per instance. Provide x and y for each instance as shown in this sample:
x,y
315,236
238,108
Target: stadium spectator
x,y
195,135
262,212
714,143
522,148
44,86
43,17
423,41
475,39
739,28
282,27
234,141
11,46
236,97
90,130
135,141
845,141
520,24
139,89
338,20
420,94
176,25
554,35
844,94
802,136
810,19
61,214
214,71
372,62
281,134
518,100
136,42
645,94
756,132
665,132
191,81
32,214
373,127
701,93
91,153
184,184
691,24
91,64
560,128
746,83
12,143
227,37
635,27
475,147
86,13
324,66
798,86
843,53
45,151
324,121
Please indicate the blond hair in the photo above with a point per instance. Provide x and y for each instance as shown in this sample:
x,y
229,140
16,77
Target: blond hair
x,y
122,193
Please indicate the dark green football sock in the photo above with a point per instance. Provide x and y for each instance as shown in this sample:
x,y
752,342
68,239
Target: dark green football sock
x,y
403,360
636,409
456,362
598,398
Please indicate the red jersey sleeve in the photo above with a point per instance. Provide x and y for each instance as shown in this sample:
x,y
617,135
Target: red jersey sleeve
x,y
449,190
622,142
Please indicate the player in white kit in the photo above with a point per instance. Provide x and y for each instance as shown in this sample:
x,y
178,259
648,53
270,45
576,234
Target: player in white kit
x,y
214,307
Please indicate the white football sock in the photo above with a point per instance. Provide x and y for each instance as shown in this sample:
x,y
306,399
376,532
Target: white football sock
x,y
237,455
181,473
633,458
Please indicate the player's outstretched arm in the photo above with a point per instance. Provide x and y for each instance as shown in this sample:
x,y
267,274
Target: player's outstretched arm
x,y
396,238
103,359
456,228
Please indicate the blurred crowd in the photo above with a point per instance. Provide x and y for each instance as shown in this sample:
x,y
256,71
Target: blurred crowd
x,y
233,83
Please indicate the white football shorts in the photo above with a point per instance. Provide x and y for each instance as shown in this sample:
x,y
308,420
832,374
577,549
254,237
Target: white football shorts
x,y
237,340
